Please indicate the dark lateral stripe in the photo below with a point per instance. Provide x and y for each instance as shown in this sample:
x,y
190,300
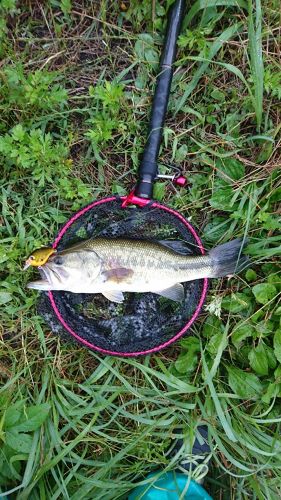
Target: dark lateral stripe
x,y
195,264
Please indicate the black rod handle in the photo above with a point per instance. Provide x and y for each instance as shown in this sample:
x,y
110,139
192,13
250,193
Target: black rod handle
x,y
148,166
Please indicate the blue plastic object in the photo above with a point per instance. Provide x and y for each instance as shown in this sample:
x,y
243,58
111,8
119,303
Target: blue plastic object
x,y
169,487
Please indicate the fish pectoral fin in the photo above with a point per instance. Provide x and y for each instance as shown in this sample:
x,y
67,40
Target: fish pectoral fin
x,y
118,274
114,296
175,292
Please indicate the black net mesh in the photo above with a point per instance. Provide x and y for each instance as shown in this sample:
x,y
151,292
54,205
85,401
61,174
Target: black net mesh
x,y
143,321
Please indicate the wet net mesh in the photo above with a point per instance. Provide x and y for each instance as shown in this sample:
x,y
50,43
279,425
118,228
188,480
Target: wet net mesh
x,y
143,321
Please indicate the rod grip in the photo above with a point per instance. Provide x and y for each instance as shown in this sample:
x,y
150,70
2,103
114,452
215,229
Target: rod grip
x,y
148,166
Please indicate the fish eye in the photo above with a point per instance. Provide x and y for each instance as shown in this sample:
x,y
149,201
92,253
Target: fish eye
x,y
58,260
32,257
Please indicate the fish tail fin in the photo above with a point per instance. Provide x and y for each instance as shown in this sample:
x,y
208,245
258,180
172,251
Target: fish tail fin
x,y
227,260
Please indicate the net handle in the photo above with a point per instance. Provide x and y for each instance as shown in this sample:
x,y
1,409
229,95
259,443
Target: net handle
x,y
148,166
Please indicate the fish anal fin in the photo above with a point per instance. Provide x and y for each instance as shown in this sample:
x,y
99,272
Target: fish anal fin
x,y
175,292
114,296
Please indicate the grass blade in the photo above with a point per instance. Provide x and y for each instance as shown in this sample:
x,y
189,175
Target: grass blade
x,y
256,60
228,430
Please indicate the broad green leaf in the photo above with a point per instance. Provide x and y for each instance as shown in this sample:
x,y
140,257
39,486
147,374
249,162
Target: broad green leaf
x,y
222,197
277,311
264,292
181,153
151,56
271,392
212,326
236,302
264,328
18,132
34,416
258,359
216,228
275,279
5,297
277,373
266,151
215,342
270,267
218,95
12,416
191,343
276,194
3,255
245,385
18,441
230,169
188,361
277,344
271,358
242,332
144,47
141,81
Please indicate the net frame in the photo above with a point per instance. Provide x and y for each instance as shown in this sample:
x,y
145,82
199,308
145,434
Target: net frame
x,y
64,322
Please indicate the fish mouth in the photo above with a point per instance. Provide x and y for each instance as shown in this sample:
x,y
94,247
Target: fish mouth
x,y
50,279
49,273
43,284
45,274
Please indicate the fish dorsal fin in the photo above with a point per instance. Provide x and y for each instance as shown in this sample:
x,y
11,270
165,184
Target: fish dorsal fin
x,y
175,292
114,296
180,247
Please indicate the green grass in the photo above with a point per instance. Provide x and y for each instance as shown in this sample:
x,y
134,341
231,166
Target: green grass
x,y
76,80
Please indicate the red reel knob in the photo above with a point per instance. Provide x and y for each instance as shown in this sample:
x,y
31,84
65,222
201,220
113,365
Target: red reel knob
x,y
180,181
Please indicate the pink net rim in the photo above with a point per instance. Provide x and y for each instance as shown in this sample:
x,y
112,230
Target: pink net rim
x,y
137,353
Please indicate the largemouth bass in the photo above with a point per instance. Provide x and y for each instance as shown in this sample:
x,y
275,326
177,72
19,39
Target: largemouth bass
x,y
114,266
